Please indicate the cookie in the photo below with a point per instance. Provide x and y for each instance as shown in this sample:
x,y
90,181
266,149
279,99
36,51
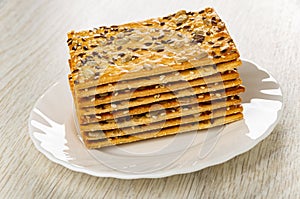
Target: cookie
x,y
155,46
129,81
91,144
124,105
157,114
153,124
215,82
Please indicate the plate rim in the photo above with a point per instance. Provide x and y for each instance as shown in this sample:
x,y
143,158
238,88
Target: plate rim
x,y
159,173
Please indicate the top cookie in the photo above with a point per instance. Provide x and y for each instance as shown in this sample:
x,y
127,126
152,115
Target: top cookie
x,y
178,41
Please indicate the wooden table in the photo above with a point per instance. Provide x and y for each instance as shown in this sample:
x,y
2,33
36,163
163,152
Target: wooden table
x,y
33,54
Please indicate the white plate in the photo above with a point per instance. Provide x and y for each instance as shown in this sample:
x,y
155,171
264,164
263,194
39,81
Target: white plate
x,y
52,129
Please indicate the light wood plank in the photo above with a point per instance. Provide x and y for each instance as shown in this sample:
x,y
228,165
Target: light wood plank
x,y
33,54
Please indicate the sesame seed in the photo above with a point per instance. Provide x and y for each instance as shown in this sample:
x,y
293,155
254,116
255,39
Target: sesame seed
x,y
157,96
81,54
93,134
121,54
113,105
224,49
163,114
161,77
160,36
154,116
135,49
134,57
218,95
147,24
69,40
221,38
182,59
202,87
216,46
148,43
97,36
200,96
125,112
116,93
147,67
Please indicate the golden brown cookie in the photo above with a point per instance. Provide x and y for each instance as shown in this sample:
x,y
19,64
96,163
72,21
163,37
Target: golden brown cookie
x,y
150,47
153,122
163,132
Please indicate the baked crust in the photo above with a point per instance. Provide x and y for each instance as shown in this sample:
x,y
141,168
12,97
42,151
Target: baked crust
x,y
178,42
164,132
147,119
121,131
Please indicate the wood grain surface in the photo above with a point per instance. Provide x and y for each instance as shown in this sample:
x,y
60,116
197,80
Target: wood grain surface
x,y
33,54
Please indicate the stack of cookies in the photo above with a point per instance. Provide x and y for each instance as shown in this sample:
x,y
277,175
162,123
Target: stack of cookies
x,y
154,78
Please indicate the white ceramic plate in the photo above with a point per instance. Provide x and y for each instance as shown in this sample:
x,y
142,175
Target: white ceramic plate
x,y
52,129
